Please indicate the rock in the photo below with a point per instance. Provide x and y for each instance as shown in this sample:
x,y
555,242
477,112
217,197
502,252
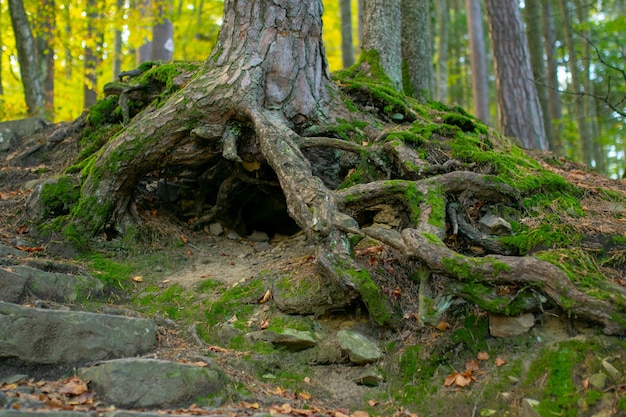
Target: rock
x,y
294,339
6,137
226,331
12,286
59,287
613,372
23,127
32,413
505,326
232,235
9,251
370,377
360,349
598,381
55,337
494,225
151,383
261,247
257,236
328,352
216,229
528,408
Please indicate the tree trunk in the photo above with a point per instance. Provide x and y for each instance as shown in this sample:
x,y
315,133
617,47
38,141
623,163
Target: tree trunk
x,y
26,53
519,111
46,27
552,80
382,33
162,34
347,44
417,54
117,43
443,20
480,84
534,31
584,132
90,86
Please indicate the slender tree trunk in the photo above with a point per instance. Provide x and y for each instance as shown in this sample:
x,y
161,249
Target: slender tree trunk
x,y
117,43
519,112
457,70
90,86
360,20
443,19
347,44
417,54
382,33
162,34
144,51
554,97
480,83
534,32
584,131
1,58
26,53
69,59
46,27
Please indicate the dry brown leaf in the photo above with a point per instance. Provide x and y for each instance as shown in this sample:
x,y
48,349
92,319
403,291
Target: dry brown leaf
x,y
201,364
307,380
500,361
265,323
338,413
304,395
585,384
218,349
184,239
360,414
472,365
245,404
189,252
266,297
462,381
443,326
373,403
450,379
482,355
137,278
73,386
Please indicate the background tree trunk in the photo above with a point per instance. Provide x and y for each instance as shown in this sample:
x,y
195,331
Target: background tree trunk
x,y
534,32
417,54
519,111
162,33
552,81
26,53
382,33
479,60
117,44
347,44
90,89
443,21
46,27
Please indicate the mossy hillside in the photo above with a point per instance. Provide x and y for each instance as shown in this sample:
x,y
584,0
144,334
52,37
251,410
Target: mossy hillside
x,y
59,197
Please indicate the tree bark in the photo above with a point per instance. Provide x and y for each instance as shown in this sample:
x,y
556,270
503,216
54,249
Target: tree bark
x,y
443,20
534,31
416,48
347,44
162,34
26,53
382,33
552,81
90,86
478,57
519,111
46,27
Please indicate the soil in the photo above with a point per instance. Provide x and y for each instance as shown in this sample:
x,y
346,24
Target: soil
x,y
235,260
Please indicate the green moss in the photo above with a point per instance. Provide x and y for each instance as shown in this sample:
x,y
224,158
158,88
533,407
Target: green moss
x,y
413,199
58,197
112,273
435,199
473,334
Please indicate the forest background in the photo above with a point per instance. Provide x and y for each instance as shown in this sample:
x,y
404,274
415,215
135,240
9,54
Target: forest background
x,y
577,48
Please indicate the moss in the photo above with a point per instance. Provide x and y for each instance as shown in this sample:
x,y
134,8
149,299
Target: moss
x,y
413,198
466,124
58,197
112,273
473,333
435,199
487,298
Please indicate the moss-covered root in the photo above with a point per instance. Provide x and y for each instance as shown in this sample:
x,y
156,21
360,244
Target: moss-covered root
x,y
521,271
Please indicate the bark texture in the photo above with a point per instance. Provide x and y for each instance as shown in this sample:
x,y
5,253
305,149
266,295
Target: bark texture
x,y
519,110
382,32
417,54
478,57
26,53
347,44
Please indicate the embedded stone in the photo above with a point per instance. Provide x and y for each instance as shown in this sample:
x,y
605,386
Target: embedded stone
x,y
360,349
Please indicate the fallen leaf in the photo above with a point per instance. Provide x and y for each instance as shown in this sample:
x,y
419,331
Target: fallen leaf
x,y
482,355
360,414
499,361
304,395
73,386
266,297
201,364
232,319
218,349
31,248
265,323
462,381
184,239
397,293
450,379
373,403
189,252
307,380
472,365
442,325
249,405
137,278
585,384
337,413
22,229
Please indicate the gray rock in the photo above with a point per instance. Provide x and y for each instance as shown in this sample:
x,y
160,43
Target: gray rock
x,y
151,383
12,286
9,251
494,225
54,337
59,287
258,236
370,377
23,127
360,349
505,326
232,235
216,229
261,247
6,137
598,381
31,413
295,339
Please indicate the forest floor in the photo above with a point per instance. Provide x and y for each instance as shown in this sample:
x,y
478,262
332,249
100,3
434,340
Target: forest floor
x,y
192,257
